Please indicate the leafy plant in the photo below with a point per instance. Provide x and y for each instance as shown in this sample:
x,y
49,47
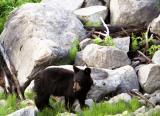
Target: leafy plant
x,y
107,41
153,49
73,51
135,42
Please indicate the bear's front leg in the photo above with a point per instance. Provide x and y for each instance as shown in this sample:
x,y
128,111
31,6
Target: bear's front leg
x,y
68,103
82,102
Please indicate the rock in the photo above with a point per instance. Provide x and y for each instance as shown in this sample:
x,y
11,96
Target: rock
x,y
156,57
70,5
39,37
85,42
108,81
28,111
152,111
107,3
67,114
155,97
96,2
102,57
122,43
149,77
1,89
3,103
123,96
155,26
92,3
133,12
89,102
140,111
91,15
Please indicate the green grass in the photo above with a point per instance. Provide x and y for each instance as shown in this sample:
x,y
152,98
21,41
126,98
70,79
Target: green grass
x,y
98,109
57,108
6,6
106,108
11,105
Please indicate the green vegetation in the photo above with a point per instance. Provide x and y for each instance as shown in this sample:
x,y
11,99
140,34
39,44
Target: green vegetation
x,y
107,41
98,109
57,108
144,44
6,6
153,49
105,108
10,105
73,51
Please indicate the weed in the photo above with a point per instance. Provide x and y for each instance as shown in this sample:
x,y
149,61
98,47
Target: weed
x,y
107,41
153,49
73,51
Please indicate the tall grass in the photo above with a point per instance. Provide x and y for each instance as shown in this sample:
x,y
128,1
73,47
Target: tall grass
x,y
10,106
6,6
106,108
98,109
57,108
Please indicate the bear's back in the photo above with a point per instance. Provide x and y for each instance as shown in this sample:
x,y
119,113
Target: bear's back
x,y
54,80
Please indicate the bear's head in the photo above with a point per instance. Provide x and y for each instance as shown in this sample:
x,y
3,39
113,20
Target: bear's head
x,y
82,79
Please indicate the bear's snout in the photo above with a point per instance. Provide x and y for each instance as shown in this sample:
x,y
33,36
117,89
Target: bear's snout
x,y
76,87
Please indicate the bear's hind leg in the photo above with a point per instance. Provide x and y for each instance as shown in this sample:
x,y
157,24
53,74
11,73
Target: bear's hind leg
x,y
42,101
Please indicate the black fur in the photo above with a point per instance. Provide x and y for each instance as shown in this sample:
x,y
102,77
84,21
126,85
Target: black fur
x,y
59,82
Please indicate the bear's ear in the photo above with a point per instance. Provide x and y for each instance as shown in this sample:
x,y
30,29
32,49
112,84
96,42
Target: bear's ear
x,y
76,69
87,71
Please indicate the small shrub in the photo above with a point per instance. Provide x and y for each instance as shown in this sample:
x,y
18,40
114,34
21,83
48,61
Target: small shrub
x,y
107,41
135,42
153,49
73,51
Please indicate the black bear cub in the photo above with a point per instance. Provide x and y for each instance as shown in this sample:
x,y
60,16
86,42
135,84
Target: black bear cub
x,y
62,82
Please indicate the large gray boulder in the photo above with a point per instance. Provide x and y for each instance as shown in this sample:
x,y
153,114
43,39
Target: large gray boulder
x,y
156,57
149,77
107,81
122,43
102,57
92,14
96,2
92,3
70,5
38,35
155,26
133,12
